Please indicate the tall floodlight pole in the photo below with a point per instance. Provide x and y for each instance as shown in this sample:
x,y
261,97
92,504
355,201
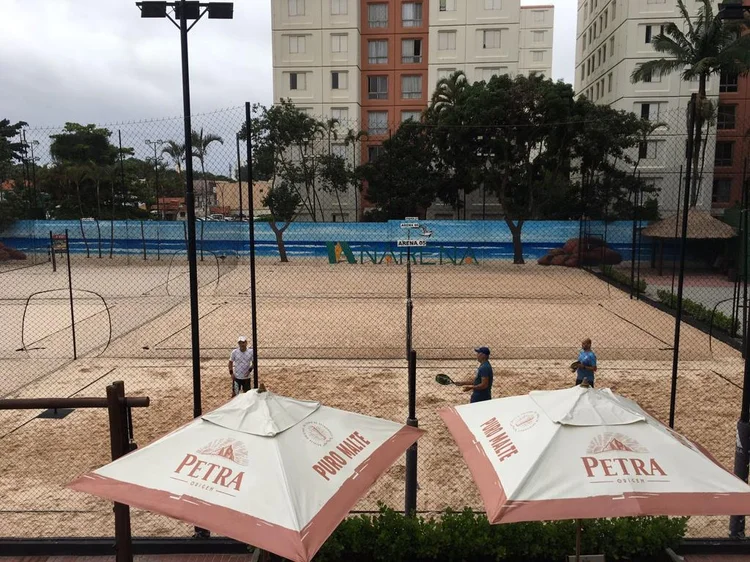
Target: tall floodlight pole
x,y
184,11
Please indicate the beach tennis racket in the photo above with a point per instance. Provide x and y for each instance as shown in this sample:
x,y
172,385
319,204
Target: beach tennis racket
x,y
444,379
574,365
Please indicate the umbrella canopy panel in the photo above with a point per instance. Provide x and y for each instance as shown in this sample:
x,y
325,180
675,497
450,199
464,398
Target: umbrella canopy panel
x,y
582,453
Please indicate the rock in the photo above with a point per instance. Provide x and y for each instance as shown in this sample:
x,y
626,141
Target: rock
x,y
545,260
556,252
571,261
611,257
558,260
4,256
15,254
586,251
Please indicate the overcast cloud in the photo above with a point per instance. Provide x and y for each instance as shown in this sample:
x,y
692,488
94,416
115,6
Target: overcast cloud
x,y
97,61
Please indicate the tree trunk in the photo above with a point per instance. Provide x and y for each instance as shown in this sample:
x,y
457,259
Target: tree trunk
x,y
279,232
515,230
205,191
697,140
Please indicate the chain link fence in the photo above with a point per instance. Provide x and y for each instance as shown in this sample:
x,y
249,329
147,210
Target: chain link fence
x,y
103,295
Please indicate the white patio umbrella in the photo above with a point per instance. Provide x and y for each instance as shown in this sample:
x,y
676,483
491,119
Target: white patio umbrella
x,y
581,453
264,469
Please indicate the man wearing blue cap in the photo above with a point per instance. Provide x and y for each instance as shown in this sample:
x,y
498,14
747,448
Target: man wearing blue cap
x,y
481,387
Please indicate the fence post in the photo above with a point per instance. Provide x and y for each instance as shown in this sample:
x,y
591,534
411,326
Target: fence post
x,y
52,251
683,240
251,217
410,503
120,446
143,240
70,292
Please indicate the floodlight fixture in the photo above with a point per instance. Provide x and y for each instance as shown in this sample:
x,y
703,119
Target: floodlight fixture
x,y
220,10
153,9
192,10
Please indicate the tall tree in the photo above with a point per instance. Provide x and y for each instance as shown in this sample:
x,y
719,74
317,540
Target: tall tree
x,y
511,135
201,143
709,46
10,151
402,181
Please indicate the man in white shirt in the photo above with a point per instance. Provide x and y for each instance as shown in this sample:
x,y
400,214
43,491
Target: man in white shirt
x,y
241,367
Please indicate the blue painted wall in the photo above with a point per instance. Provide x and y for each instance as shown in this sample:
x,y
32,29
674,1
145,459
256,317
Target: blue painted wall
x,y
489,240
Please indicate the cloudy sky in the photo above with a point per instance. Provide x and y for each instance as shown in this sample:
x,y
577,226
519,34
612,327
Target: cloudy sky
x,y
97,61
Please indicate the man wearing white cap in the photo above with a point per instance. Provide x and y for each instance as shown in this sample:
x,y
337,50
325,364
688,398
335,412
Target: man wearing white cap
x,y
241,367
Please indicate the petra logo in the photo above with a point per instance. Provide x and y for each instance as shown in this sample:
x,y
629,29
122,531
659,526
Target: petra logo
x,y
525,421
614,442
215,475
317,434
624,462
230,449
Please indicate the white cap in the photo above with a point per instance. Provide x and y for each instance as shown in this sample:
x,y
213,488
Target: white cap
x,y
242,338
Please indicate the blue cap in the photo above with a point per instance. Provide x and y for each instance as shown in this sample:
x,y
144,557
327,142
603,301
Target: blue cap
x,y
484,350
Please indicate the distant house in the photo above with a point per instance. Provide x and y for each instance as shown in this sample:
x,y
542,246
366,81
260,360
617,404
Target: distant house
x,y
228,196
171,208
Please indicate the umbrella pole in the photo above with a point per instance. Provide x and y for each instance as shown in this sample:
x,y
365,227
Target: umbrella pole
x,y
578,540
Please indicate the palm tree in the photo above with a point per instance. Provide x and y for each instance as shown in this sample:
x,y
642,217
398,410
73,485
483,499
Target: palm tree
x,y
710,46
176,151
201,143
447,91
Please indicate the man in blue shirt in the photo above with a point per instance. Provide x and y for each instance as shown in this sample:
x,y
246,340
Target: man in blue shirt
x,y
586,363
481,387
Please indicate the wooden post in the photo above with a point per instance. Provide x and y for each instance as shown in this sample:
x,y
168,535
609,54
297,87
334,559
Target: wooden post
x,y
119,443
52,251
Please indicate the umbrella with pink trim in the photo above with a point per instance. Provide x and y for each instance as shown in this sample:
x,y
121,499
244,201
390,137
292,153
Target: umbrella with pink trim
x,y
264,469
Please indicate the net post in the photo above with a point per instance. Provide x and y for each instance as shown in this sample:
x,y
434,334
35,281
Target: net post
x,y
70,293
52,251
410,500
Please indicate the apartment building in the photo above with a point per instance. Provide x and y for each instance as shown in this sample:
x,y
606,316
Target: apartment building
x,y
613,38
373,64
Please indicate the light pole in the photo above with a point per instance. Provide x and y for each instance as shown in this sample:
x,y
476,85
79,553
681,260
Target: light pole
x,y
183,12
157,145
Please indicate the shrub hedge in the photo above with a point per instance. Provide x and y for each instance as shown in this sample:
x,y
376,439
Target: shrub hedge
x,y
699,312
467,536
622,278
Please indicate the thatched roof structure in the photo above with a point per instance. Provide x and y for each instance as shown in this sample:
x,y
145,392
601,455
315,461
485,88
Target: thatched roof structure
x,y
701,225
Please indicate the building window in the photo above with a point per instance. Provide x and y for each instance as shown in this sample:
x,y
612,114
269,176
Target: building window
x,y
445,73
583,73
339,80
411,87
377,51
377,122
493,5
538,16
296,7
538,36
339,7
606,18
339,43
537,56
415,116
656,1
377,87
648,150
447,5
446,40
597,90
296,44
726,117
722,190
585,11
377,15
374,151
297,81
614,10
411,14
339,149
491,39
650,32
609,83
411,50
486,74
728,82
604,53
724,151
340,113
650,111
